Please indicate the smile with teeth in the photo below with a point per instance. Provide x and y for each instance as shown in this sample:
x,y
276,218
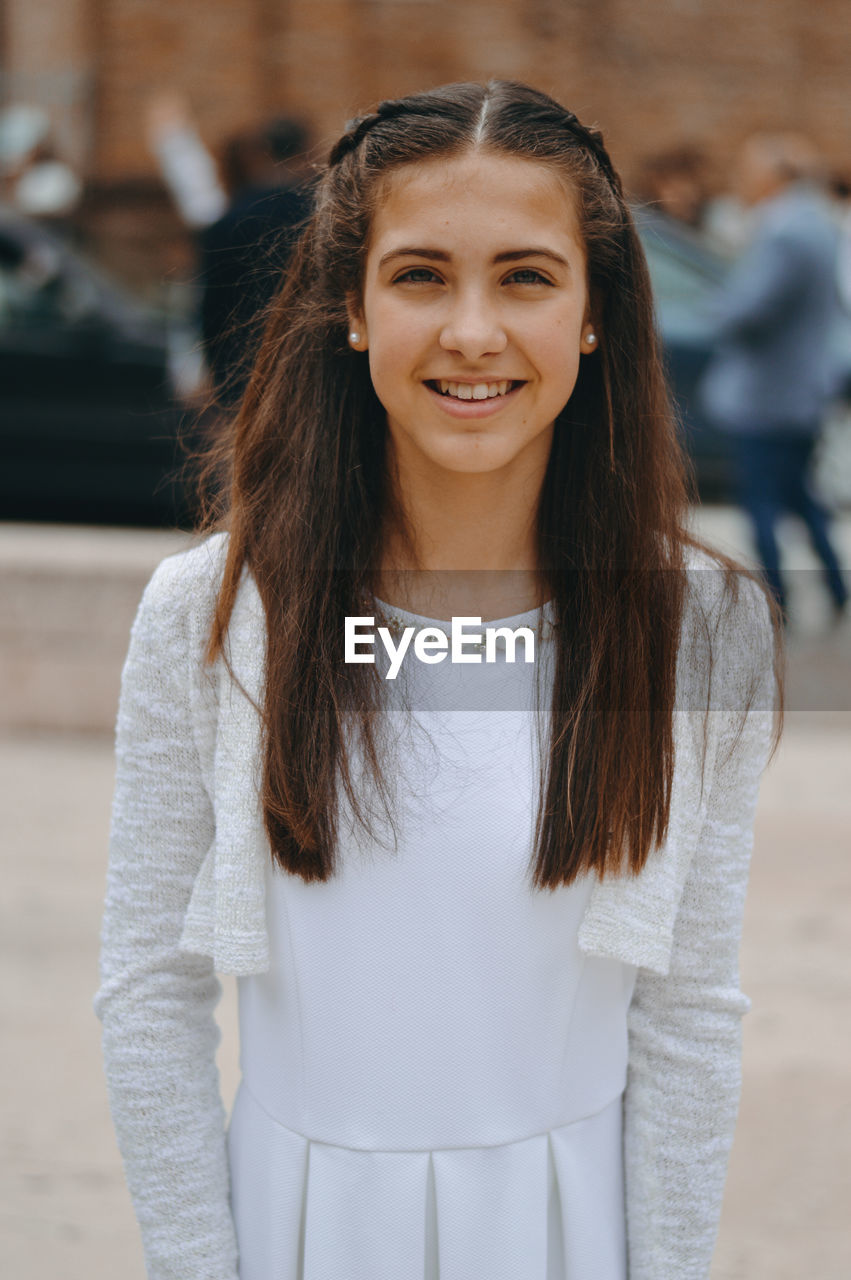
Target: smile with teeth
x,y
472,390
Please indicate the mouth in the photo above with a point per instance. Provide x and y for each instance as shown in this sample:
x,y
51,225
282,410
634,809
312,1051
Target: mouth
x,y
473,390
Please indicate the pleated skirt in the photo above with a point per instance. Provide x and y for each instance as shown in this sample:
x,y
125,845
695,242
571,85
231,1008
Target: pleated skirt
x,y
548,1207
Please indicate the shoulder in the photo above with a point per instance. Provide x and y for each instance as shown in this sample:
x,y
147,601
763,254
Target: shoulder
x,y
723,593
189,577
174,622
730,645
179,600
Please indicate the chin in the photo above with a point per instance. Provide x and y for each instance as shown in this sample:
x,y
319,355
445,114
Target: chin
x,y
469,452
469,458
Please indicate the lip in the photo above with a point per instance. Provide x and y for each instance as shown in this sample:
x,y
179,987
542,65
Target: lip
x,y
474,408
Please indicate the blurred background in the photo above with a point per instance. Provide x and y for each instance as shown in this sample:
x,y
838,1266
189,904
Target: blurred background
x,y
155,166
146,151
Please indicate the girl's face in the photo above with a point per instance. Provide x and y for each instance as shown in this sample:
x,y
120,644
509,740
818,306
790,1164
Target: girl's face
x,y
475,312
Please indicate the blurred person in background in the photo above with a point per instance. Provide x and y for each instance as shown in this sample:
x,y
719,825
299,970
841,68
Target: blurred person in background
x,y
678,192
245,251
775,369
244,213
840,189
36,181
674,183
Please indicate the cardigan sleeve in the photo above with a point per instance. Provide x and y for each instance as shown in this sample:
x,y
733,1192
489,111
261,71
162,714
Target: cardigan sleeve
x,y
157,1003
684,1074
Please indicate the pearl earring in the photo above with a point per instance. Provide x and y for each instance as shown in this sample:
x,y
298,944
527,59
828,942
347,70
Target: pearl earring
x,y
354,337
591,338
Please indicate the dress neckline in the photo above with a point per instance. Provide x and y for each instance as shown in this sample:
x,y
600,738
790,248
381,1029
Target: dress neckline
x,y
541,617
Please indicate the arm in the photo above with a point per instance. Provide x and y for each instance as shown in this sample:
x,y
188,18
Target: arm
x,y
684,1074
762,287
186,166
156,1003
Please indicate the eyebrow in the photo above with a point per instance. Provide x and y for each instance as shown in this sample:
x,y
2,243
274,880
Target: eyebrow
x,y
510,255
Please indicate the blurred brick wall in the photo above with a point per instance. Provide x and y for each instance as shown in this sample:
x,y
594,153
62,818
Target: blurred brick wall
x,y
649,72
652,72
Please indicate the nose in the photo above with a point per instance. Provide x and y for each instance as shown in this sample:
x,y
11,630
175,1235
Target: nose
x,y
473,327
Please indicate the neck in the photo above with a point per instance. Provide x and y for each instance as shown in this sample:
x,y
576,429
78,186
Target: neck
x,y
469,546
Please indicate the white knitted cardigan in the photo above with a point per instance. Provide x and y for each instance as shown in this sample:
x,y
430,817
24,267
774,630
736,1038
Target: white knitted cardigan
x,y
185,898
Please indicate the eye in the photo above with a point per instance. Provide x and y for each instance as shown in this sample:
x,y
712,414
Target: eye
x,y
527,275
417,275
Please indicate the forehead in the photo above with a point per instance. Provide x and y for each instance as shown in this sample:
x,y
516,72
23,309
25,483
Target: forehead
x,y
477,200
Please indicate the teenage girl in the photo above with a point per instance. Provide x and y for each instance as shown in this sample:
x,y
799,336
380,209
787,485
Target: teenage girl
x,y
485,916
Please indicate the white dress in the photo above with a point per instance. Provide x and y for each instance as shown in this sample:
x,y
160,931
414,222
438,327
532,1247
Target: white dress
x,y
432,1070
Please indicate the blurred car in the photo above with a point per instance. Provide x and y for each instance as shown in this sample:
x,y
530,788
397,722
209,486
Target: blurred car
x,y
686,273
89,412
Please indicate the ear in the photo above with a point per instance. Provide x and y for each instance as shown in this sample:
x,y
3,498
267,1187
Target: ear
x,y
358,340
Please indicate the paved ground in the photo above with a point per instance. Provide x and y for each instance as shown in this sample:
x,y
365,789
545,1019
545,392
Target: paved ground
x,y
64,1211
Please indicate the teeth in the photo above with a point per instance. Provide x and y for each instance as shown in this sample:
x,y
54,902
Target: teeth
x,y
474,391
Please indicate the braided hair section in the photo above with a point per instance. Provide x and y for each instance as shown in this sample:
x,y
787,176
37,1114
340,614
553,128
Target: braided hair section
x,y
356,131
390,109
592,139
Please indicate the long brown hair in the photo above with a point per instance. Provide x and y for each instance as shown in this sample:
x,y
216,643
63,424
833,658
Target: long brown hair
x,y
308,490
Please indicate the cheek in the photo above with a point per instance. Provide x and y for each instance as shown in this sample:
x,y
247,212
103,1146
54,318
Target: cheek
x,y
396,344
559,355
558,334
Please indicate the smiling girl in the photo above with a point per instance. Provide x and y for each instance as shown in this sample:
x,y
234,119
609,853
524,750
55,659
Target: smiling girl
x,y
485,926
